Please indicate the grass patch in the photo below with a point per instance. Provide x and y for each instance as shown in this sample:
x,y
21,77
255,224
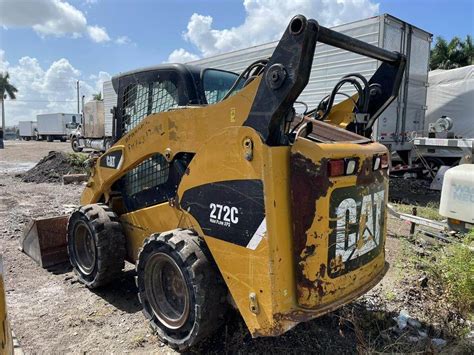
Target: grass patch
x,y
453,269
429,211
390,295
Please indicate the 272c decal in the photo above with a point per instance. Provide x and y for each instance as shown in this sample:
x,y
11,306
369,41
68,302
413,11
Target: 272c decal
x,y
223,215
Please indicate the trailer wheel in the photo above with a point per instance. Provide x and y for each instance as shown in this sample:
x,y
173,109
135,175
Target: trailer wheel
x,y
430,169
75,145
96,244
49,138
181,291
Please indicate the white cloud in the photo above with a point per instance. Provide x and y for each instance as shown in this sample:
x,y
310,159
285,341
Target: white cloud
x,y
98,34
3,62
122,40
181,56
266,20
43,90
49,18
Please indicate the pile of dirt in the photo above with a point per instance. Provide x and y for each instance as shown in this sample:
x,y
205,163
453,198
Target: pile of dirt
x,y
51,168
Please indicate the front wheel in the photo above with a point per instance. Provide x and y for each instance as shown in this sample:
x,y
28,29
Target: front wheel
x,y
75,145
95,244
180,289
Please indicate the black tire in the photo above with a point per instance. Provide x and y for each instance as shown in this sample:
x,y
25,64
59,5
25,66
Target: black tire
x,y
198,278
63,139
107,144
75,145
96,244
49,138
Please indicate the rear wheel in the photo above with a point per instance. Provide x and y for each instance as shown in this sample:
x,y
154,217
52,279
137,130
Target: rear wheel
x,y
75,145
96,244
49,138
180,289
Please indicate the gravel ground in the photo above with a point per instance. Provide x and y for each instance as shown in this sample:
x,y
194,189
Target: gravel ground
x,y
52,313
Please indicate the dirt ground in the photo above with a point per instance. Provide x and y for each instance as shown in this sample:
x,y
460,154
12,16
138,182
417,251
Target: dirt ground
x,y
52,313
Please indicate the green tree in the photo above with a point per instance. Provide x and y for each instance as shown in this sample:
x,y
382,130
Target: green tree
x,y
6,90
97,97
457,53
469,49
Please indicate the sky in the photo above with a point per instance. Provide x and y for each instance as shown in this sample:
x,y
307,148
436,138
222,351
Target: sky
x,y
48,45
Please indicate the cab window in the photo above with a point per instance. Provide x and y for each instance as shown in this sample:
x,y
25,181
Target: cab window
x,y
143,99
216,84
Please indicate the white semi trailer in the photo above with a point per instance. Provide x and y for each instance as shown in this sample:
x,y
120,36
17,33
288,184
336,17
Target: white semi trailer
x,y
52,126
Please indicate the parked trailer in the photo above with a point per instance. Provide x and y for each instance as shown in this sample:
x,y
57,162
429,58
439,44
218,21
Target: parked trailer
x,y
448,136
404,116
27,130
53,126
96,131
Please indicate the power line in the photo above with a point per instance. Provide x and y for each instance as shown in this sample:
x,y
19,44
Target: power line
x,y
71,101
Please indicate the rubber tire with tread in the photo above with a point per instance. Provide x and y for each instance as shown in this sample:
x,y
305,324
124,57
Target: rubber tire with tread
x,y
75,147
109,241
208,292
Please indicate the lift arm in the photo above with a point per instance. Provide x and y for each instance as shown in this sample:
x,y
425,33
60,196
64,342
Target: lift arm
x,y
288,70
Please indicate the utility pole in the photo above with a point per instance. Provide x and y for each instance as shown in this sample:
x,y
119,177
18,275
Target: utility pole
x,y
78,111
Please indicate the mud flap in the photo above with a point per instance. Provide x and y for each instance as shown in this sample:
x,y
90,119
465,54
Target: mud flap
x,y
44,240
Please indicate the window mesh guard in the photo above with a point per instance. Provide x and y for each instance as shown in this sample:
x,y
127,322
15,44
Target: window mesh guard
x,y
143,99
150,173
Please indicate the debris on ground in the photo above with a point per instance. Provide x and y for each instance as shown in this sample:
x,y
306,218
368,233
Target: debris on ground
x,y
53,167
407,191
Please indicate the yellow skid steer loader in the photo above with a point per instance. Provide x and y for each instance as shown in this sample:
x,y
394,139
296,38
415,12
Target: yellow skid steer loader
x,y
221,194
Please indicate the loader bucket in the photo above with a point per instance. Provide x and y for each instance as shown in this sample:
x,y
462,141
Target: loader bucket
x,y
44,240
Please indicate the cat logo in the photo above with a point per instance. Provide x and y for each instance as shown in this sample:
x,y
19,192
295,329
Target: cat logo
x,y
111,160
357,222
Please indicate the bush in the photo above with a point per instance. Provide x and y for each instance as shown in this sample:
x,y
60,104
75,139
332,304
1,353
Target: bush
x,y
77,161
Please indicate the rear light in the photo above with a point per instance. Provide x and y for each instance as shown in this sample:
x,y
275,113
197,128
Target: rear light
x,y
376,163
380,162
350,166
340,167
336,167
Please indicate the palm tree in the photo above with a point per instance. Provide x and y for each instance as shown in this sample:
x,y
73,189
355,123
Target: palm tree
x,y
469,49
457,53
97,97
6,90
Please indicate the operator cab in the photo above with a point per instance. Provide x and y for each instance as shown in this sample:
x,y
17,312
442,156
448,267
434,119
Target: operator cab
x,y
160,88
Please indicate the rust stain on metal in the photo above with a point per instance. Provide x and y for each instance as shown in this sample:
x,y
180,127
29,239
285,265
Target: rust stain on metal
x,y
366,174
309,182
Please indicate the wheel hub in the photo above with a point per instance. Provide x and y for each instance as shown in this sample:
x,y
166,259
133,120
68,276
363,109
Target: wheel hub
x,y
166,289
84,249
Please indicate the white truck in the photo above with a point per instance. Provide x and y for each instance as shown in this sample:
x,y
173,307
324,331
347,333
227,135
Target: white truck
x,y
52,126
28,130
95,130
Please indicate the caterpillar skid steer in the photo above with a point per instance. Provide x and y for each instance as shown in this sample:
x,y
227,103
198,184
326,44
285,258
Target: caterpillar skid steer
x,y
222,195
